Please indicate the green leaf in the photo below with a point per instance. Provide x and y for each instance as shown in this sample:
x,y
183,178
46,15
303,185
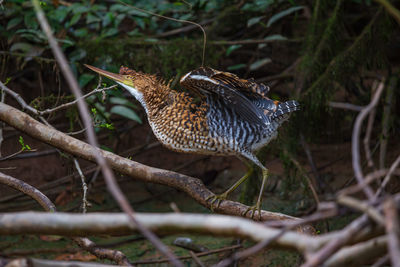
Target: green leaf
x,y
77,55
259,63
82,32
282,14
126,112
90,18
275,37
78,8
75,18
30,21
24,47
121,101
14,22
231,49
84,79
237,66
109,32
254,20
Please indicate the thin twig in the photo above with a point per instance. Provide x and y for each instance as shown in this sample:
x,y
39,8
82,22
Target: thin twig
x,y
355,141
201,254
367,138
385,121
28,190
91,136
85,203
362,206
392,230
388,175
66,105
348,106
196,259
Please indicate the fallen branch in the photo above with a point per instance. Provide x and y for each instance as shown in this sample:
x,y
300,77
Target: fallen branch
x,y
69,224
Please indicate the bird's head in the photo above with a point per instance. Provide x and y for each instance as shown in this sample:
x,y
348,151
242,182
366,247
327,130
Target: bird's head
x,y
138,84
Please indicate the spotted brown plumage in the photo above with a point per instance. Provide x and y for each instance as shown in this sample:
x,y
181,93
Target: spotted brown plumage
x,y
233,117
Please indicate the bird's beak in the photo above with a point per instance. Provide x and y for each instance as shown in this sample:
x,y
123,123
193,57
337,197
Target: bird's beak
x,y
121,79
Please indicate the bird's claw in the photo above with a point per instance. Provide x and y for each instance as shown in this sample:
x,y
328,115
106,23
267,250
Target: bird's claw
x,y
216,199
253,210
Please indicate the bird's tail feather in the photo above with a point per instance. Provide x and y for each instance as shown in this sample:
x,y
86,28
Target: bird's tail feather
x,y
284,108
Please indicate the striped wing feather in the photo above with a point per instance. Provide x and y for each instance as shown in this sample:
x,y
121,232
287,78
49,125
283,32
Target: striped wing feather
x,y
233,91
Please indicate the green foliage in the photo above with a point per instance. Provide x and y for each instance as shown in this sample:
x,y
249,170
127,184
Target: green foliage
x,y
23,145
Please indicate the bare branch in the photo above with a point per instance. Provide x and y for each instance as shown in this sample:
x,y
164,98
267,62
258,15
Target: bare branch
x,y
363,207
388,175
67,105
355,140
28,190
393,231
358,254
348,106
167,223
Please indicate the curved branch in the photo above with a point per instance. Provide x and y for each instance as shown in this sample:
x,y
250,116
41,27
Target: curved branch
x,y
192,186
47,205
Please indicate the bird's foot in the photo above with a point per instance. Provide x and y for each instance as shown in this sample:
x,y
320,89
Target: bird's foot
x,y
253,210
215,200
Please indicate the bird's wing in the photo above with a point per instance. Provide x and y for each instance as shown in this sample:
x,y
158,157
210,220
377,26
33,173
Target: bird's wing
x,y
232,90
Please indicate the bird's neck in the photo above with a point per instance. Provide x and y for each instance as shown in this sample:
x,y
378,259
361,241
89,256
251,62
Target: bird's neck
x,y
155,97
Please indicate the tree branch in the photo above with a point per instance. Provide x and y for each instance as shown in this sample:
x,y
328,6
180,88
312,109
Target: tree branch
x,y
68,224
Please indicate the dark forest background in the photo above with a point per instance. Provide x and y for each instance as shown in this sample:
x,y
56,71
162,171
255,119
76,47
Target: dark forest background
x,y
328,55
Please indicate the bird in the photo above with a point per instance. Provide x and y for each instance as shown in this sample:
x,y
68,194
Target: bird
x,y
220,114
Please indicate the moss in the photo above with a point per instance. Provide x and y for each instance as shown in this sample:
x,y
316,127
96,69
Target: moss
x,y
168,58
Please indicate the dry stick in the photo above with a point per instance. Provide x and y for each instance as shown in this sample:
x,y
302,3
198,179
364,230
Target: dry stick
x,y
87,121
85,203
367,138
2,99
250,251
66,105
355,139
47,205
385,121
328,212
348,106
196,259
201,254
100,223
192,186
28,190
387,177
392,230
358,254
369,178
382,261
341,239
317,177
363,207
304,174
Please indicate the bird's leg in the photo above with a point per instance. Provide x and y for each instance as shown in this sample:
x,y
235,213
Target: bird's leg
x,y
219,198
257,207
